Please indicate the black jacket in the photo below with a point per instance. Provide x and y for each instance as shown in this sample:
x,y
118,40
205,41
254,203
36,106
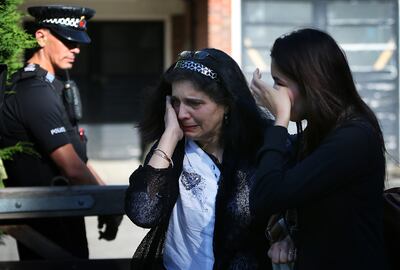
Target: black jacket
x,y
33,113
337,190
238,242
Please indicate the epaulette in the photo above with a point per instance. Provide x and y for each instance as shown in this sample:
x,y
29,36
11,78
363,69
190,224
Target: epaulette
x,y
29,71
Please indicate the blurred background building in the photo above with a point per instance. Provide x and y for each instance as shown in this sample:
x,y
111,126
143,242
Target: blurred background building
x,y
366,30
135,40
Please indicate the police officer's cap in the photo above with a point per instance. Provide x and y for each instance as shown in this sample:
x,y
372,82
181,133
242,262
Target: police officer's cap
x,y
68,22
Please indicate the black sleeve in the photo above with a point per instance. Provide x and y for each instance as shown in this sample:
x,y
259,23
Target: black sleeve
x,y
152,193
340,158
147,196
43,115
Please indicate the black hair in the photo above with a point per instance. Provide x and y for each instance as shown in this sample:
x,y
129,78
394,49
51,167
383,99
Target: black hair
x,y
242,133
314,60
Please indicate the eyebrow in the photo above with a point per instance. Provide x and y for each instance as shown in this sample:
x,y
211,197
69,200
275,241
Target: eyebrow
x,y
188,99
193,99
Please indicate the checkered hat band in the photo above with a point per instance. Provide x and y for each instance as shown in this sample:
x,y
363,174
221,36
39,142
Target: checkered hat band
x,y
185,64
73,22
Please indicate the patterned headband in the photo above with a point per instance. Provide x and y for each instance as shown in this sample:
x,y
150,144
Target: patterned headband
x,y
187,64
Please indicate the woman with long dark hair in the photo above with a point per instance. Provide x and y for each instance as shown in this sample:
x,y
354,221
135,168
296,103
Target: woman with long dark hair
x,y
337,174
193,190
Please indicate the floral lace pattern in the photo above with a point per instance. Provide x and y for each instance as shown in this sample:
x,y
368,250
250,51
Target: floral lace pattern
x,y
195,183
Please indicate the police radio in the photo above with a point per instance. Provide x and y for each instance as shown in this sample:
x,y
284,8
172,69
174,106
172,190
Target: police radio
x,y
72,99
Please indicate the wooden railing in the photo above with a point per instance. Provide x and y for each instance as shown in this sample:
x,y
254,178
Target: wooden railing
x,y
17,204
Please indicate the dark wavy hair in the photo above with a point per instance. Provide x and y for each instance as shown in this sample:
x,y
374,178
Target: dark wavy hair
x,y
313,59
242,133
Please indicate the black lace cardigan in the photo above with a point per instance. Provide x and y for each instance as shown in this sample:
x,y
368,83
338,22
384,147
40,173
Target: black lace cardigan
x,y
239,243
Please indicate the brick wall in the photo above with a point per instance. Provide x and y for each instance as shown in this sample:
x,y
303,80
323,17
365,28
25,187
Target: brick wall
x,y
219,25
205,23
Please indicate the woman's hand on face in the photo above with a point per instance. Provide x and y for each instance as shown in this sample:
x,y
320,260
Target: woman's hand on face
x,y
282,251
275,99
171,120
168,141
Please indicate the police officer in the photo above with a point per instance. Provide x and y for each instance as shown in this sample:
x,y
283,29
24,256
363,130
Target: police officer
x,y
34,112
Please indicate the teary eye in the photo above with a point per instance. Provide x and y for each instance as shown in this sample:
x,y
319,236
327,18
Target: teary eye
x,y
174,102
278,82
194,103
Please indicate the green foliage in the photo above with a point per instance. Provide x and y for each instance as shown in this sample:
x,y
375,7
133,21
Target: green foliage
x,y
20,147
14,40
8,152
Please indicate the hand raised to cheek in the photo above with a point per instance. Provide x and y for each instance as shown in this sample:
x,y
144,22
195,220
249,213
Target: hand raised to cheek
x,y
171,120
276,99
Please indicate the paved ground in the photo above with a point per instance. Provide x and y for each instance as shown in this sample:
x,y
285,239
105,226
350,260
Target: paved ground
x,y
115,172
